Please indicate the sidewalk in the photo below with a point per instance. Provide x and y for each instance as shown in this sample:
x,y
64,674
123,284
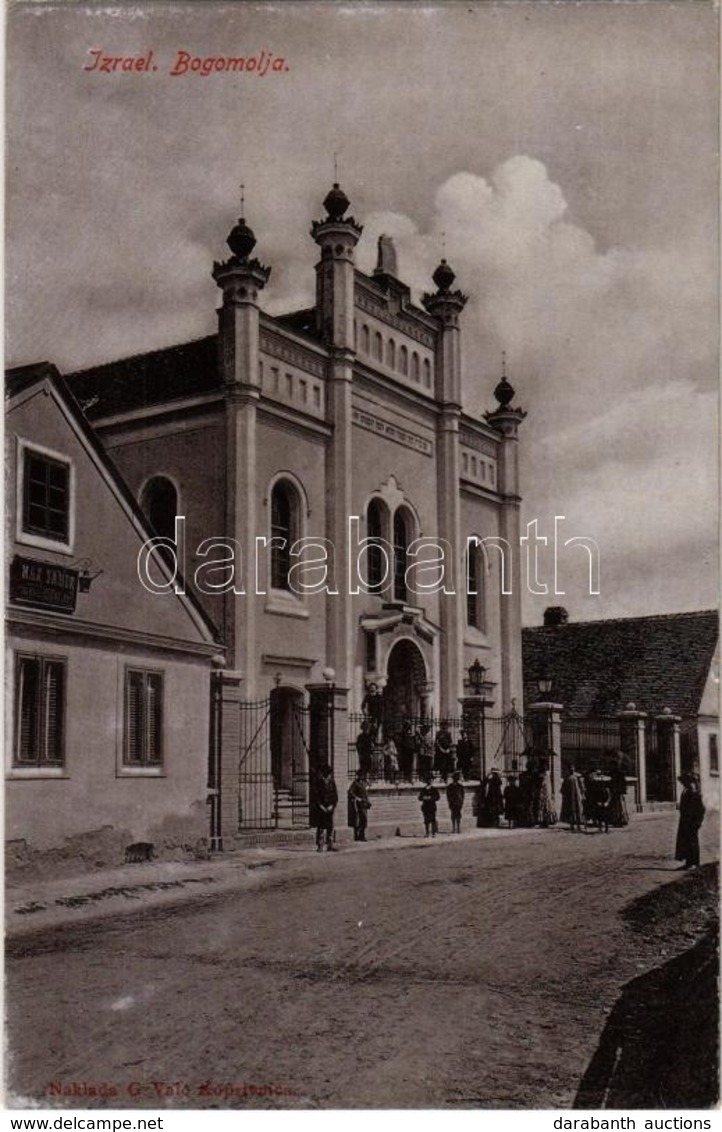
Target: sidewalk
x,y
33,906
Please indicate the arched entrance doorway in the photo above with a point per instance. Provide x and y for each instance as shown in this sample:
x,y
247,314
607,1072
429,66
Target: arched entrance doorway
x,y
287,748
406,681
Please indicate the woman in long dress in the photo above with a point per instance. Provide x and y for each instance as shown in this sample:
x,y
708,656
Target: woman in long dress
x,y
572,800
618,815
691,816
544,811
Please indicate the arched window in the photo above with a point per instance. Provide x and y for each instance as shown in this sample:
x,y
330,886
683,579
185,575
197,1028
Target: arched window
x,y
284,526
159,502
427,373
365,340
391,353
377,562
403,526
404,360
378,347
415,366
475,605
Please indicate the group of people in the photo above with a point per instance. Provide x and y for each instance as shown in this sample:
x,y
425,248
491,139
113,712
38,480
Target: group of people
x,y
596,798
412,751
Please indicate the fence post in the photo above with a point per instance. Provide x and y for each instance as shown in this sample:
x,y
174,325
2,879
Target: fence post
x,y
329,737
547,731
633,742
474,711
669,747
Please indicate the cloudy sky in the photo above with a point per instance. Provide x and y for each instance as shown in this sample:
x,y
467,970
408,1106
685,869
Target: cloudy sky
x,y
566,152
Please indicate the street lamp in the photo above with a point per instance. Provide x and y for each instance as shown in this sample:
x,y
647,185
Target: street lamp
x,y
477,682
477,673
545,683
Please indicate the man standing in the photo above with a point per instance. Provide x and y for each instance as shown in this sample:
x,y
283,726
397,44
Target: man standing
x,y
443,754
358,807
326,802
455,798
464,754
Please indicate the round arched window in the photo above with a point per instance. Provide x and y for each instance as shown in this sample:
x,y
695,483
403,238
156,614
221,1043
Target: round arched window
x,y
159,502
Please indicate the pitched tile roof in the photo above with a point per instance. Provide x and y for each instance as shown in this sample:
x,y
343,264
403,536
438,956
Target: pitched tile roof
x,y
598,667
147,379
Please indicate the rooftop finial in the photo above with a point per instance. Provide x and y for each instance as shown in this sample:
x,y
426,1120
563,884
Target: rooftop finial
x,y
443,244
335,168
504,391
243,199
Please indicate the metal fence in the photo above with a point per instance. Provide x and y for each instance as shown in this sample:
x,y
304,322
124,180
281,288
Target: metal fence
x,y
590,744
415,747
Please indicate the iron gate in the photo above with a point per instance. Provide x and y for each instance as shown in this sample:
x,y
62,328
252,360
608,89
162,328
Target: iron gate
x,y
273,764
257,787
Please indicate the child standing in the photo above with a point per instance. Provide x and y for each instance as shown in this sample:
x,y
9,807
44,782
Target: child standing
x,y
428,797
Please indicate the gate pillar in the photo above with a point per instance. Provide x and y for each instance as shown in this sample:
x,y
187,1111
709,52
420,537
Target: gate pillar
x,y
633,741
669,748
546,721
329,734
474,712
223,778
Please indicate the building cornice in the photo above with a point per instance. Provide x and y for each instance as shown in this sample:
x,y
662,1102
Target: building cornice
x,y
292,421
167,409
113,634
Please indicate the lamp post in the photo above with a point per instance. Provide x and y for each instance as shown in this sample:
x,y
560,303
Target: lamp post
x,y
545,684
479,685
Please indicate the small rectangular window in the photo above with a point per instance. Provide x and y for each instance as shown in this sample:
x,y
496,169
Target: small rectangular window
x,y
39,712
143,732
713,755
46,496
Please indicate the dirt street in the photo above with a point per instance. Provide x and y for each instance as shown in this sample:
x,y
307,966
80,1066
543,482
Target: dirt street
x,y
456,973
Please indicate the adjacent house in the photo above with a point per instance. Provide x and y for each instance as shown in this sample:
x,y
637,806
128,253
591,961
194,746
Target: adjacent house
x,y
666,667
108,684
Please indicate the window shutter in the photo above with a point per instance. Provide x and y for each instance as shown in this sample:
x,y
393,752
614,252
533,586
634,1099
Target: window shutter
x,y
27,709
155,718
53,695
134,718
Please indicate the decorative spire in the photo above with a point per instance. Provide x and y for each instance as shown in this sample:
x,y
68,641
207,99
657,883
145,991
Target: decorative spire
x,y
242,239
443,277
504,391
336,202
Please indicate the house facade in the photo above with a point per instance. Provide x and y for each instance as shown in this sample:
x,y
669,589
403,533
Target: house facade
x,y
107,708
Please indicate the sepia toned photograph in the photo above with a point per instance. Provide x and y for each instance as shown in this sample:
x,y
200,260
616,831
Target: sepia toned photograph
x,y
361,528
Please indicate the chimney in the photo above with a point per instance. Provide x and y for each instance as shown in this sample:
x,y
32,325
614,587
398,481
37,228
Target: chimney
x,y
554,616
386,260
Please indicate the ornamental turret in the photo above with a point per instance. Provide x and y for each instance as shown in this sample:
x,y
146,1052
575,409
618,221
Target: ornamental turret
x,y
446,305
241,280
337,236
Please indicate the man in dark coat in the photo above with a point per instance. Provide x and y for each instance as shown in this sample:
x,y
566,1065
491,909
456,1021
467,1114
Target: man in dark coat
x,y
691,816
365,748
455,798
443,754
326,802
358,807
406,746
464,754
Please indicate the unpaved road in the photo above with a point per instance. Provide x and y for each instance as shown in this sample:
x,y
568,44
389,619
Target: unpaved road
x,y
451,974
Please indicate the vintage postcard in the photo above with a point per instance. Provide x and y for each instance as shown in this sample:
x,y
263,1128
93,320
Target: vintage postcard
x,y
361,668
